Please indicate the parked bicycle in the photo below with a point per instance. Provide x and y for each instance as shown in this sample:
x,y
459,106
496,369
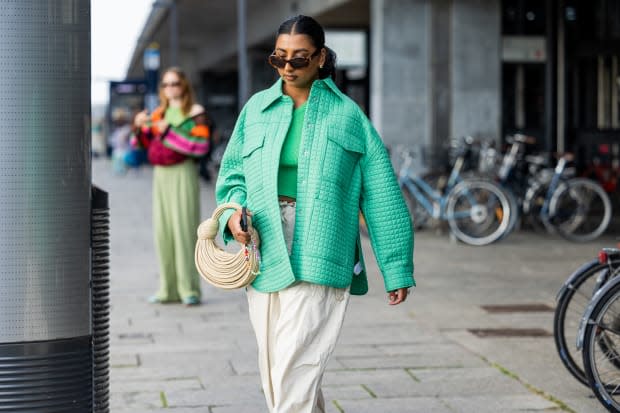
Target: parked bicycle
x,y
572,301
477,211
587,326
578,209
599,339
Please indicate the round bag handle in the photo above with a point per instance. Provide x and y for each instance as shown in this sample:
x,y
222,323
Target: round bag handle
x,y
221,268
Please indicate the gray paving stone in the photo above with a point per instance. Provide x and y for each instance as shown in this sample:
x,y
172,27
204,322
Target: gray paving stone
x,y
160,373
501,403
401,405
240,408
129,334
460,383
165,410
214,345
380,333
441,374
330,407
367,377
411,361
145,385
124,360
346,392
137,401
245,364
584,403
224,391
190,363
352,350
334,365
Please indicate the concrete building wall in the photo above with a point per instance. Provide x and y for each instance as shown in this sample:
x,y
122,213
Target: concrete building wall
x,y
435,71
400,72
441,82
435,65
476,68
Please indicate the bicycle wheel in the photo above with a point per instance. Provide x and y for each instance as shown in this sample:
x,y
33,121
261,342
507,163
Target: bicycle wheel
x,y
580,210
572,301
515,211
478,212
532,205
419,215
601,349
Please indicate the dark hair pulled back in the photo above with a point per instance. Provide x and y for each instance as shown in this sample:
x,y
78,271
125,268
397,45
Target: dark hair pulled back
x,y
307,25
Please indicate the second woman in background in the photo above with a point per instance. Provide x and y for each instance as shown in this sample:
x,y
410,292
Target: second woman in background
x,y
175,135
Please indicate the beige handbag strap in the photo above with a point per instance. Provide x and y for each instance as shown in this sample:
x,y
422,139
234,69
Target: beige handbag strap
x,y
221,268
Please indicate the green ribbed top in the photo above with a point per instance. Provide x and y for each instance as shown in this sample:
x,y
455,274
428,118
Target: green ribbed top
x,y
174,116
289,157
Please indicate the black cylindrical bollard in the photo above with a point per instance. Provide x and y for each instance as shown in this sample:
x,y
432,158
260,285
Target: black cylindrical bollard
x,y
100,251
45,287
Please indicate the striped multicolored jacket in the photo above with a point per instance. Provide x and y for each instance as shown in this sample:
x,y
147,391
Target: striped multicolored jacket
x,y
190,138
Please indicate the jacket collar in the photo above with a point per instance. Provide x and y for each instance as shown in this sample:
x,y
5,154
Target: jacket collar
x,y
275,91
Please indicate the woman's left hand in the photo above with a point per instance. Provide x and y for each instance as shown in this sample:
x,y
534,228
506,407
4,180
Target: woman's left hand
x,y
398,296
162,125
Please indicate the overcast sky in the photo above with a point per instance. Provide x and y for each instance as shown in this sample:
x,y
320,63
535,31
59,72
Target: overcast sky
x,y
115,25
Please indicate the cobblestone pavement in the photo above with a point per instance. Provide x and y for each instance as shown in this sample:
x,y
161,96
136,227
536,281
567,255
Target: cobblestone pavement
x,y
417,357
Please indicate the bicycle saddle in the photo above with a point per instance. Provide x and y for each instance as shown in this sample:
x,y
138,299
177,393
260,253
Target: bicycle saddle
x,y
608,254
529,140
537,159
568,156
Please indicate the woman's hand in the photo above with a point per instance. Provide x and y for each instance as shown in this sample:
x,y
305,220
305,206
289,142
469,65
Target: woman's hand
x,y
398,296
161,125
234,225
141,118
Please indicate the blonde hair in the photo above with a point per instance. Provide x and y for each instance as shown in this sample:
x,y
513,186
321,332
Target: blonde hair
x,y
187,97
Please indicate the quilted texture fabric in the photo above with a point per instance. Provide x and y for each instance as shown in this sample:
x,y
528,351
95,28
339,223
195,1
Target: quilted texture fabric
x,y
343,166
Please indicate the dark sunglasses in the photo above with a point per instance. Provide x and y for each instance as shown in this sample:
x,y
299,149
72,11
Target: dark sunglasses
x,y
296,62
171,84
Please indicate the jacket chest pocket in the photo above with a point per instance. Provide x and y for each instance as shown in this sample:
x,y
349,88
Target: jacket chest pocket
x,y
252,155
341,157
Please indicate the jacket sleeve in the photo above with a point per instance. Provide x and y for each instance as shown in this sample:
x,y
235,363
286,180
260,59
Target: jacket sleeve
x,y
141,138
230,185
386,214
190,138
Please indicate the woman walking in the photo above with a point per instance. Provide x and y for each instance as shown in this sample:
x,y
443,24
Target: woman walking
x,y
304,159
175,135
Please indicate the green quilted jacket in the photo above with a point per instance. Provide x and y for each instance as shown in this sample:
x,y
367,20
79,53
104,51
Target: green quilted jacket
x,y
343,167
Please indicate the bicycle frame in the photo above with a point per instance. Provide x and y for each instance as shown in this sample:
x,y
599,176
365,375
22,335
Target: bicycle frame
x,y
612,279
553,185
430,199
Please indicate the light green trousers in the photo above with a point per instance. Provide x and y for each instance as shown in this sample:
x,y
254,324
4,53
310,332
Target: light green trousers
x,y
176,216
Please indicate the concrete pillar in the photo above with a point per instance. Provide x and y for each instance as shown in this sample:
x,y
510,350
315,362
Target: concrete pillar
x,y
440,81
435,72
400,72
476,69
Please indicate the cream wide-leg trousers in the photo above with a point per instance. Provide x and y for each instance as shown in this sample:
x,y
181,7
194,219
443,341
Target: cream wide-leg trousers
x,y
296,330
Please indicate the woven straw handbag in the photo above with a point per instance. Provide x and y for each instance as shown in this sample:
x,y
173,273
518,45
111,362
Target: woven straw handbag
x,y
221,268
